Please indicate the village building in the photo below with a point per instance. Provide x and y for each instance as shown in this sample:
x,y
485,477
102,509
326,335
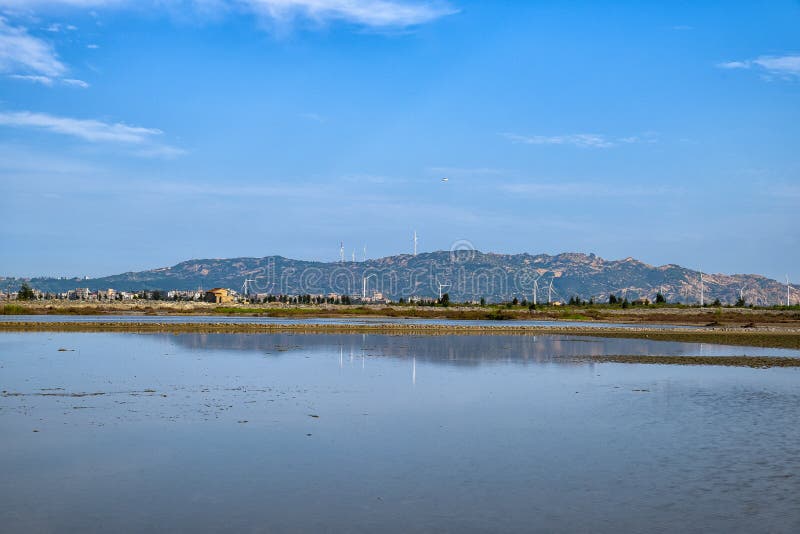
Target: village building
x,y
219,295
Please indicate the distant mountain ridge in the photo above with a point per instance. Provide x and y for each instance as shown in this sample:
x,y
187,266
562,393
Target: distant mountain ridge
x,y
464,274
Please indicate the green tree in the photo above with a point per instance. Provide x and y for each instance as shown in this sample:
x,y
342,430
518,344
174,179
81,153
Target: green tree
x,y
483,301
25,292
612,299
445,300
660,298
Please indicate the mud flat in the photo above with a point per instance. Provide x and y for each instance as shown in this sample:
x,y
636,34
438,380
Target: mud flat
x,y
773,337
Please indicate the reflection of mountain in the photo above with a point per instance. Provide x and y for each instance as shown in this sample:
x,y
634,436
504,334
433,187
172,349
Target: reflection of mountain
x,y
458,350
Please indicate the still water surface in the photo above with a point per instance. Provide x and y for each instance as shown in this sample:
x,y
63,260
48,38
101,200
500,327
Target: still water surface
x,y
365,433
205,319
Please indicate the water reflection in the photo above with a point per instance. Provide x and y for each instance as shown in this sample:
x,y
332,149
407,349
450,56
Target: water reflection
x,y
462,349
377,433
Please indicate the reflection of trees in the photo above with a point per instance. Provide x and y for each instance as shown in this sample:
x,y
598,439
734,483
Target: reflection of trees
x,y
458,350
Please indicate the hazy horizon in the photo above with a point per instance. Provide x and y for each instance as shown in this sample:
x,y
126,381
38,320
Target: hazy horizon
x,y
136,135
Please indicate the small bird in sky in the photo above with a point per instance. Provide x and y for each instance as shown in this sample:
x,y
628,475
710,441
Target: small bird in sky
x,y
445,179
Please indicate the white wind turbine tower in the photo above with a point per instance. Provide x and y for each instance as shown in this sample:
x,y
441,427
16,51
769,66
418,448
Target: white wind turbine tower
x,y
535,290
550,293
341,251
442,286
245,287
701,288
787,291
415,242
354,255
365,252
364,285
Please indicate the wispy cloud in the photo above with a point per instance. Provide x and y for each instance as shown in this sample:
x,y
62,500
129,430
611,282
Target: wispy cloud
x,y
92,130
373,13
28,58
584,189
48,81
22,53
34,78
585,140
781,66
313,117
370,13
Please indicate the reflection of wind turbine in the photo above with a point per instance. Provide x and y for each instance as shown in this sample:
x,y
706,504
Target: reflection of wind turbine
x,y
414,370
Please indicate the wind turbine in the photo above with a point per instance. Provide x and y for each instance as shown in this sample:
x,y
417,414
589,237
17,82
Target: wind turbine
x,y
364,285
415,242
701,288
442,286
341,251
354,255
535,290
550,293
365,252
245,287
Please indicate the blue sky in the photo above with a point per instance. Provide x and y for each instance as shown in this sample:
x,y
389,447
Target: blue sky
x,y
139,134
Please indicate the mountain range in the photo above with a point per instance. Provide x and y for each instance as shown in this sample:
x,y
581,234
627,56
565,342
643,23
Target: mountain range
x,y
466,275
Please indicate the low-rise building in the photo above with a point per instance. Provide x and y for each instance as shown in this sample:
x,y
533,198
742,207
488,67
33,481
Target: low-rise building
x,y
219,295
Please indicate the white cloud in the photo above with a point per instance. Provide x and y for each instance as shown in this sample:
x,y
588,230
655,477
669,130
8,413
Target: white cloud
x,y
580,140
75,83
782,66
23,53
48,81
313,117
88,129
93,131
584,189
374,13
35,78
371,13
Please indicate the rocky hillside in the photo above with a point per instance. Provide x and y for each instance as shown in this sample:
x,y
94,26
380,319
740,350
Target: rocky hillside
x,y
465,275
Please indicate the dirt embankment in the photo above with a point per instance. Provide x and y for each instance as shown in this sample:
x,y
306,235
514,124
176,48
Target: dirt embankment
x,y
736,317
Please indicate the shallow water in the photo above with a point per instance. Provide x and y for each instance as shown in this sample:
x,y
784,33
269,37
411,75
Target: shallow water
x,y
214,432
204,319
